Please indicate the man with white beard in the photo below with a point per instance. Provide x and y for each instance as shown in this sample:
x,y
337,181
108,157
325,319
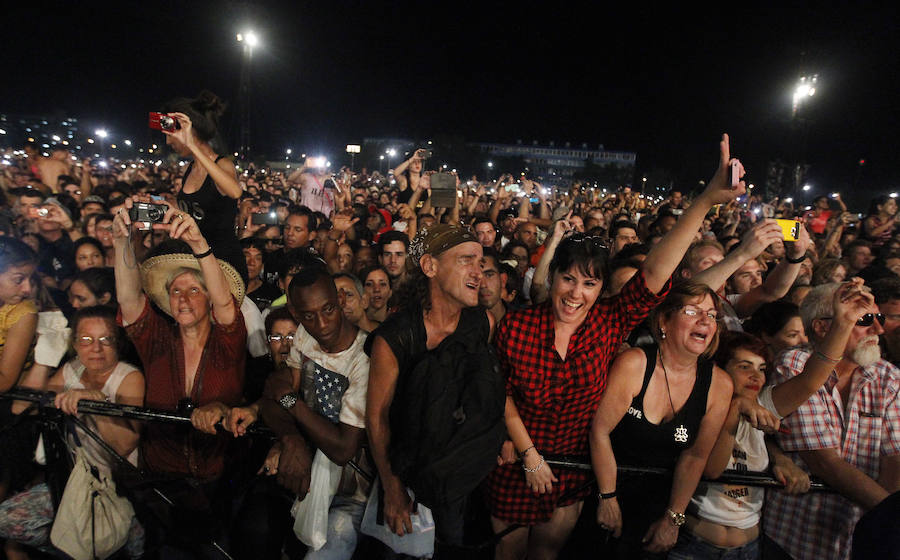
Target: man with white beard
x,y
847,433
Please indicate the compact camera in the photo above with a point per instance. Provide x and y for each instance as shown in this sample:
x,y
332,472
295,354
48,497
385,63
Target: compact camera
x,y
144,215
164,121
38,212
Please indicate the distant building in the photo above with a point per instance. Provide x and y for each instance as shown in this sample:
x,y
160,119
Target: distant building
x,y
552,162
42,131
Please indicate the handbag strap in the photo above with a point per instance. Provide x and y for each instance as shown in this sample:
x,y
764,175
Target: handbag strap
x,y
73,421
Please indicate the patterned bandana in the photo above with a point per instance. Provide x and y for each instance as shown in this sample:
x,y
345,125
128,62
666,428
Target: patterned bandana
x,y
435,240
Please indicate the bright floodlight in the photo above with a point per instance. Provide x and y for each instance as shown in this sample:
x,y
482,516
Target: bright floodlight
x,y
490,164
251,38
805,89
893,195
101,133
807,187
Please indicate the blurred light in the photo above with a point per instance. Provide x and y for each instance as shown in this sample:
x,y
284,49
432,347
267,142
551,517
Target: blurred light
x,y
128,142
807,187
154,146
235,154
101,133
392,152
251,38
2,131
381,157
65,142
90,140
30,139
55,138
158,162
288,151
789,199
893,195
490,165
102,163
113,146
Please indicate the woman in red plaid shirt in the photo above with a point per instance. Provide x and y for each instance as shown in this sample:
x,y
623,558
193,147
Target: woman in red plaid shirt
x,y
555,357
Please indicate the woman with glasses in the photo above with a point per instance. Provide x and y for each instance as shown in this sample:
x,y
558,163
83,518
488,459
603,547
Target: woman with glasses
x,y
96,374
725,517
663,408
555,357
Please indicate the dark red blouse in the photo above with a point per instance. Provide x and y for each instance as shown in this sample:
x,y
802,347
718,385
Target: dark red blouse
x,y
557,398
178,449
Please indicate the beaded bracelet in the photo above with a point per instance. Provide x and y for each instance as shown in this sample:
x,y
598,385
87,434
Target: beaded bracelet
x,y
822,356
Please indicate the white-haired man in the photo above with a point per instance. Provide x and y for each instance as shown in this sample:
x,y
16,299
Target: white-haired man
x,y
847,433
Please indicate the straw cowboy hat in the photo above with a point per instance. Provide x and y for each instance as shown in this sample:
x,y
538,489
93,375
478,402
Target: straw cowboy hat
x,y
155,272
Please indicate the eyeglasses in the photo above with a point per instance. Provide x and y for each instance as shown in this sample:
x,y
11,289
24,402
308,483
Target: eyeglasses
x,y
89,341
693,312
281,337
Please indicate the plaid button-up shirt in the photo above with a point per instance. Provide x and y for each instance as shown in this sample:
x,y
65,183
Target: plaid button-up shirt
x,y
820,525
557,398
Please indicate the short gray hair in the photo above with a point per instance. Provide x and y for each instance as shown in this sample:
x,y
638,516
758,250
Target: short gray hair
x,y
817,304
185,270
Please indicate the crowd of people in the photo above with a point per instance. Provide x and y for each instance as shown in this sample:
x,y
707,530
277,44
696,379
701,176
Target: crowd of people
x,y
428,358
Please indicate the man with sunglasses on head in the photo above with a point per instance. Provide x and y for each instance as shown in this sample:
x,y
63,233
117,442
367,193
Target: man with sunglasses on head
x,y
847,433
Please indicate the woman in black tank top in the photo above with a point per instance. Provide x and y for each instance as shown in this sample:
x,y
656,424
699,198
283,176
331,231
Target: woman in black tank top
x,y
209,190
663,407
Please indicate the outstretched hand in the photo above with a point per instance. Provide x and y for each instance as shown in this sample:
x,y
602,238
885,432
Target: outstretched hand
x,y
852,301
719,189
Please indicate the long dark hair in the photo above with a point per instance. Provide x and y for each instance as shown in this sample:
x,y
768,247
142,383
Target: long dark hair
x,y
99,281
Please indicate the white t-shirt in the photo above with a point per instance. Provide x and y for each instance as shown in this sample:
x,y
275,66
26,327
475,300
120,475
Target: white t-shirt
x,y
335,385
738,505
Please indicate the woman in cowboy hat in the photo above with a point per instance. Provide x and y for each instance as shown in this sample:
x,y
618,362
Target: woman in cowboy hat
x,y
195,364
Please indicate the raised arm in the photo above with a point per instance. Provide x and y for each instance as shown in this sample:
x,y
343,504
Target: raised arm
x,y
778,282
222,173
183,226
129,292
539,292
755,241
850,303
667,254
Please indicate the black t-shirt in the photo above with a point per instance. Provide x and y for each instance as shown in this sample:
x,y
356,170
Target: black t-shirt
x,y
215,214
57,258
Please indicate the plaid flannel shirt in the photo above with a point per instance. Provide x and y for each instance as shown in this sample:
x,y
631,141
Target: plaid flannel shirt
x,y
557,398
820,525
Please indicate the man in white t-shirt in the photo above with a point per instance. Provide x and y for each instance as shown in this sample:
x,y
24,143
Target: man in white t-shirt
x,y
319,402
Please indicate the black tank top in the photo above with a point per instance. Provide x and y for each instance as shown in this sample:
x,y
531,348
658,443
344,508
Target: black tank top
x,y
637,442
215,214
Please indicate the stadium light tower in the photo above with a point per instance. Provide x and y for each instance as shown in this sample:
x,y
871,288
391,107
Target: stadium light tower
x,y
249,39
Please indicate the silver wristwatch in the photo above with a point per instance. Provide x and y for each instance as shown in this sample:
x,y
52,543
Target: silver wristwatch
x,y
288,401
677,518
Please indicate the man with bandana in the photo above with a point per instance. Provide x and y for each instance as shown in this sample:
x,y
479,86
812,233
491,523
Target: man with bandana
x,y
439,330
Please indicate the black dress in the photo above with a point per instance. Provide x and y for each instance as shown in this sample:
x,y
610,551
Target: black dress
x,y
215,214
638,443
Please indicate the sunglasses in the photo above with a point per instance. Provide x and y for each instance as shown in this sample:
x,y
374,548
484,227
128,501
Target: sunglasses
x,y
866,320
869,318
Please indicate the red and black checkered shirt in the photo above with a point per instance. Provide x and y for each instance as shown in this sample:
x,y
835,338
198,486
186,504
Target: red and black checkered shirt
x,y
557,398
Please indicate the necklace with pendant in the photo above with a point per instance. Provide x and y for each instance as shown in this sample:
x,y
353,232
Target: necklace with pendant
x,y
681,433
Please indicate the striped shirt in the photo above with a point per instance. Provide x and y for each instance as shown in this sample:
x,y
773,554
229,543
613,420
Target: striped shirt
x,y
820,525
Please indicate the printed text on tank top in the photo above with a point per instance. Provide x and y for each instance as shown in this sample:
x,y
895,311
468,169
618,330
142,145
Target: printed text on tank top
x,y
192,207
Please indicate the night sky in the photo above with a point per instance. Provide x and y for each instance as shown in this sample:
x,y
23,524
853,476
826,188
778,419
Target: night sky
x,y
663,82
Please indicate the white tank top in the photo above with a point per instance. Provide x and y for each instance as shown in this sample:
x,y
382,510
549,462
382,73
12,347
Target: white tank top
x,y
735,505
95,454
